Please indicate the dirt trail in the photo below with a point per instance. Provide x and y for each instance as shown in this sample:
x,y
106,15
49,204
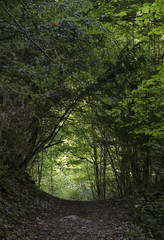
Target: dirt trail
x,y
73,220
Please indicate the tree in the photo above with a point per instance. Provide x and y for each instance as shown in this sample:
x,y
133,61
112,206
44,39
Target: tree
x,y
41,61
137,70
85,73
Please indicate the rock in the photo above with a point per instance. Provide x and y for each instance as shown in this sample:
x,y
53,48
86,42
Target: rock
x,y
75,219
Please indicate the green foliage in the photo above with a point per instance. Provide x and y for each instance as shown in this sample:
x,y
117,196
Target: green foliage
x,y
43,68
119,128
150,214
87,75
144,107
63,176
81,100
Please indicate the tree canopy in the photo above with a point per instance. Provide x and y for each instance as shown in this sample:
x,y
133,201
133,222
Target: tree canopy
x,y
81,89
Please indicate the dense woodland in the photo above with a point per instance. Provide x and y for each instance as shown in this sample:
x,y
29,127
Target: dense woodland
x,y
82,96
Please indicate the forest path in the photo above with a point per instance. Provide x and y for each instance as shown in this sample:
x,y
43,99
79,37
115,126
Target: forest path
x,y
76,220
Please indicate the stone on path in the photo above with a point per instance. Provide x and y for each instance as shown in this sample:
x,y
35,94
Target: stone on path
x,y
75,219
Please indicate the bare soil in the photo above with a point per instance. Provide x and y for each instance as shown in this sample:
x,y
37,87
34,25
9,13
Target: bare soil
x,y
27,213
73,220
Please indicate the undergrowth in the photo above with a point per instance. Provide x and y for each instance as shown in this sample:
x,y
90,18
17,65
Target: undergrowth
x,y
146,217
17,200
